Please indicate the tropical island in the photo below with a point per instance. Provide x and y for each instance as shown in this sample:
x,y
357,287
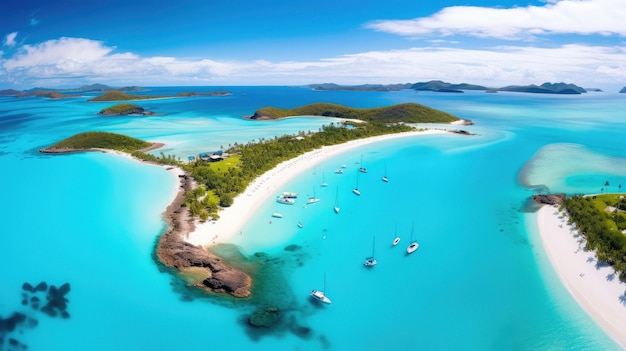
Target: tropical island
x,y
405,113
445,87
125,109
208,188
99,141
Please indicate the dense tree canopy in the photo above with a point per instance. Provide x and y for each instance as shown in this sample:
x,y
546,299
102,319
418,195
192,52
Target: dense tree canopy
x,y
601,221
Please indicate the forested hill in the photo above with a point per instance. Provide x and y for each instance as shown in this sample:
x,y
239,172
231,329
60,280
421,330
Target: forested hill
x,y
408,112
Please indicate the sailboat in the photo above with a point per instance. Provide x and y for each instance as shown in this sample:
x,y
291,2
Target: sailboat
x,y
384,178
371,261
277,214
356,190
320,295
336,208
313,199
324,184
362,169
396,240
413,245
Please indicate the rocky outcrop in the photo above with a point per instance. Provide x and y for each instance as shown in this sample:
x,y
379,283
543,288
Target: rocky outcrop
x,y
549,199
174,252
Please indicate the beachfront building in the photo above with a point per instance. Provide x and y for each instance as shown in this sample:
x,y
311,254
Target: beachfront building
x,y
213,156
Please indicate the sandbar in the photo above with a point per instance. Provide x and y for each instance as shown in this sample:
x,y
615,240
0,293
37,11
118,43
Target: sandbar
x,y
595,287
269,184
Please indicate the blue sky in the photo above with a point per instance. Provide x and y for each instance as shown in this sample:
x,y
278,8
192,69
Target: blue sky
x,y
239,42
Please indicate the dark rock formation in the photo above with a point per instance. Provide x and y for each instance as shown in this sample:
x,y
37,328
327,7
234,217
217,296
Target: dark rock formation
x,y
549,199
174,252
265,317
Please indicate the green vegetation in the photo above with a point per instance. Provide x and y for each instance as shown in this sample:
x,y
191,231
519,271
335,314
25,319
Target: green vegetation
x,y
115,95
122,109
162,159
601,220
101,140
409,113
230,177
220,182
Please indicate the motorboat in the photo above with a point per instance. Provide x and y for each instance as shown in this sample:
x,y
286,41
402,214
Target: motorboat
x,y
285,200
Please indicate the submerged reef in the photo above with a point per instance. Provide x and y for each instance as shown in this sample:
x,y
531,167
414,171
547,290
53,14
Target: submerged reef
x,y
54,303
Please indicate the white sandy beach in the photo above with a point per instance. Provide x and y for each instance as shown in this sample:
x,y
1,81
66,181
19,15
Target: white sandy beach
x,y
597,289
269,185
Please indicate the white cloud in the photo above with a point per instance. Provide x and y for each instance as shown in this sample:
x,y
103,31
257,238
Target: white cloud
x,y
9,39
604,17
75,61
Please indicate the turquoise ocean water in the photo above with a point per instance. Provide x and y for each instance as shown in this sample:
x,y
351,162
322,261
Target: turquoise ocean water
x,y
479,281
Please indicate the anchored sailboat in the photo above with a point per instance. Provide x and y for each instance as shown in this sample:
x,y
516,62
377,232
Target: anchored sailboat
x,y
320,295
313,199
324,184
413,245
356,190
384,178
396,240
336,208
371,261
362,169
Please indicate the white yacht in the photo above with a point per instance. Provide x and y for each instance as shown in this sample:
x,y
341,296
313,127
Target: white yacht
x,y
285,200
320,295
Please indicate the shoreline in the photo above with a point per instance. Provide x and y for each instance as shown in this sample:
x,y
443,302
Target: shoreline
x,y
268,184
173,253
596,288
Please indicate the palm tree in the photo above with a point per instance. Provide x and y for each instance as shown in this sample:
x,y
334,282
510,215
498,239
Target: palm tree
x,y
619,187
606,185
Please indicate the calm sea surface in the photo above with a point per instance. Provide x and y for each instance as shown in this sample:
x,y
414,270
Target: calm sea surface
x,y
479,280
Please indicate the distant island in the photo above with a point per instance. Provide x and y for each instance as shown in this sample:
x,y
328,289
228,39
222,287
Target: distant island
x,y
125,109
364,87
109,93
445,87
65,93
546,88
115,95
623,90
408,112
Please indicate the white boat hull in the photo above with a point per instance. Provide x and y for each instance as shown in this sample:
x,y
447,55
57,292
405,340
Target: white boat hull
x,y
319,296
370,262
412,247
313,200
